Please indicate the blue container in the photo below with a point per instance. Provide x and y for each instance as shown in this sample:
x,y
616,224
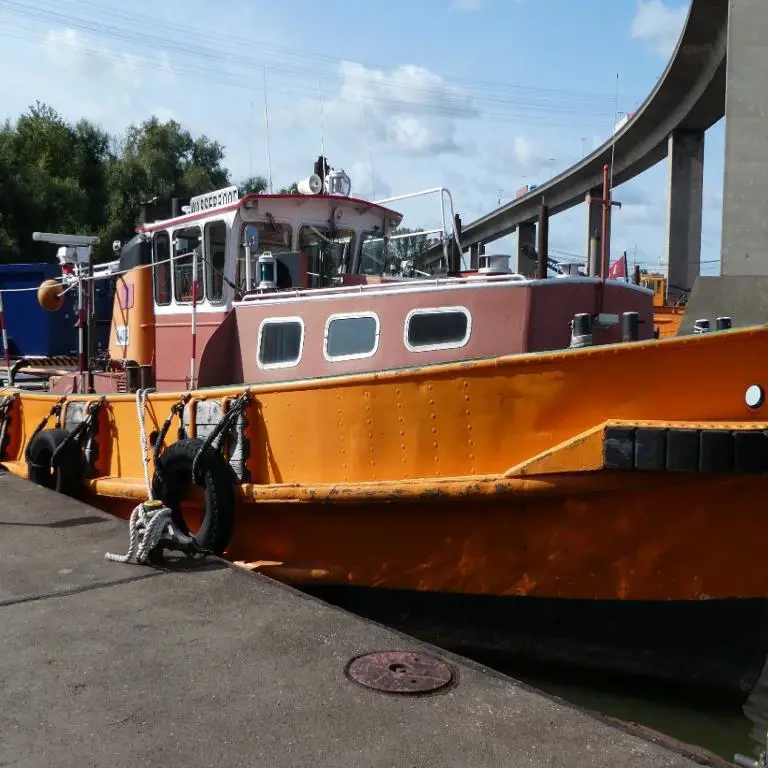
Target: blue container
x,y
32,330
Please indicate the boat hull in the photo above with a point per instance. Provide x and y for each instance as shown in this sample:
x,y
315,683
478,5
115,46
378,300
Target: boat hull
x,y
710,649
652,576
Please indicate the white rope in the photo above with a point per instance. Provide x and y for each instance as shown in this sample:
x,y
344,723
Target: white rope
x,y
141,405
150,521
146,529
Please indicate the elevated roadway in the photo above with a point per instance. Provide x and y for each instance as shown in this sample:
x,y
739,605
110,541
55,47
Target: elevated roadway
x,y
688,99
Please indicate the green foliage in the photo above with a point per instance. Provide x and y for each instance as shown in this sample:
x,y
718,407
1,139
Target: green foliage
x,y
253,185
292,190
77,179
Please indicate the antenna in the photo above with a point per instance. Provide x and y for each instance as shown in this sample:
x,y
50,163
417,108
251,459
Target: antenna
x,y
266,122
250,140
322,135
370,161
615,118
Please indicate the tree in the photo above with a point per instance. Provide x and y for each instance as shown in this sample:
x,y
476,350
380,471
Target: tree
x,y
407,248
293,189
253,185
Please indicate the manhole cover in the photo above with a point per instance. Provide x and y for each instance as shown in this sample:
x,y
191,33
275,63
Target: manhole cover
x,y
402,672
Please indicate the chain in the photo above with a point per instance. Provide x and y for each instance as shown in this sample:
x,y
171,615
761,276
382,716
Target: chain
x,y
55,411
177,409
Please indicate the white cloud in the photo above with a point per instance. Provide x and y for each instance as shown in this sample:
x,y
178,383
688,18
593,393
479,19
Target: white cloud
x,y
409,110
658,25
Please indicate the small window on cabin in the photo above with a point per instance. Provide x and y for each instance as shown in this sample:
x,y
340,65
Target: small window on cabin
x,y
280,343
328,251
352,336
272,236
186,245
437,329
215,260
161,269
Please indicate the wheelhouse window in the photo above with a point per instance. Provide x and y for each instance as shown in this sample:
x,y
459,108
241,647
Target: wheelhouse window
x,y
273,236
215,260
373,254
280,342
351,336
161,268
404,251
187,246
328,252
443,328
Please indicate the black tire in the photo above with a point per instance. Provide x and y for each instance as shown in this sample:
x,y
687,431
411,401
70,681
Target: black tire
x,y
66,478
173,480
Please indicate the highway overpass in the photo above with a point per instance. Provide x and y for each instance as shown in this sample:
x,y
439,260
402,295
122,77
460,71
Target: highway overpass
x,y
689,98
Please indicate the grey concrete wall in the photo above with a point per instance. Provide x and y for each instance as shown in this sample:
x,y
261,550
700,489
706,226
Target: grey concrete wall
x,y
685,188
745,187
526,250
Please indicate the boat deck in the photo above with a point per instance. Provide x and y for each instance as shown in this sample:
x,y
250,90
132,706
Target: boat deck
x,y
208,664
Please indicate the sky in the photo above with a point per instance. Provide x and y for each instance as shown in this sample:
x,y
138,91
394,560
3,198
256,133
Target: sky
x,y
479,96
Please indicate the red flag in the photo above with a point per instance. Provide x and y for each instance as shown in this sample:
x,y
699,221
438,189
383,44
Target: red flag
x,y
618,270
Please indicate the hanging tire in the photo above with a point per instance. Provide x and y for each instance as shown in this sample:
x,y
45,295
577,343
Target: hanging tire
x,y
66,477
174,479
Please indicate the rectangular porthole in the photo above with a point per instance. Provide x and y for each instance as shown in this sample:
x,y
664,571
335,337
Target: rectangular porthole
x,y
441,328
281,342
348,337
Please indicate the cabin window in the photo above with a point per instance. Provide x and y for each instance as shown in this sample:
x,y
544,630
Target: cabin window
x,y
187,244
280,342
161,270
443,328
373,254
272,236
215,260
328,252
351,336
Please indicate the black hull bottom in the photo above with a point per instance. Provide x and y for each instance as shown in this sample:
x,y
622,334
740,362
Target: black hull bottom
x,y
712,647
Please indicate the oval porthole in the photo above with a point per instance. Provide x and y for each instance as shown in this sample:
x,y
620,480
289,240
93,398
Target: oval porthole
x,y
754,397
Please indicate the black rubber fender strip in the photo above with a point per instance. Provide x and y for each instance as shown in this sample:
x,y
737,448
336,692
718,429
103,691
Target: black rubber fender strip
x,y
174,479
66,478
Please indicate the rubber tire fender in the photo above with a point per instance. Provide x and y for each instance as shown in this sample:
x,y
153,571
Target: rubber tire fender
x,y
175,464
67,477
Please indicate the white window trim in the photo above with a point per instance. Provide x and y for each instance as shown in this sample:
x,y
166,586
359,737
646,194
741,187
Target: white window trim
x,y
175,258
356,355
279,321
206,258
169,264
443,345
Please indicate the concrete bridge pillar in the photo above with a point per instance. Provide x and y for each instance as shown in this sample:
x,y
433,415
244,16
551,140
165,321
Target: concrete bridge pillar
x,y
594,224
526,249
685,188
745,183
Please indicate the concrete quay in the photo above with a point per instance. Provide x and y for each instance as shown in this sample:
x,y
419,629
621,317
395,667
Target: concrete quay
x,y
206,664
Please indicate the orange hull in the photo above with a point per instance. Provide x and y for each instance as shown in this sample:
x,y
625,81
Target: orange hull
x,y
491,472
667,320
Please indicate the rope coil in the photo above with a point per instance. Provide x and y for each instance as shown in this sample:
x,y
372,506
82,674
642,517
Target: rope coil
x,y
150,522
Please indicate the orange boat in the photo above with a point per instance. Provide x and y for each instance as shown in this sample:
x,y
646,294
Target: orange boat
x,y
481,459
666,316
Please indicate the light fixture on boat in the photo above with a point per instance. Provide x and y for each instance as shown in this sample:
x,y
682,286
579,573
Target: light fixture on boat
x,y
267,281
312,185
338,183
754,397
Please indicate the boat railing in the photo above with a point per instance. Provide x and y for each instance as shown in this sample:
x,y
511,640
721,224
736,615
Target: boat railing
x,y
444,193
413,284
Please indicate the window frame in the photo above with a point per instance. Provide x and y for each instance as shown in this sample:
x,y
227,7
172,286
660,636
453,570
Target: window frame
x,y
175,259
441,345
355,355
168,264
208,272
278,321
